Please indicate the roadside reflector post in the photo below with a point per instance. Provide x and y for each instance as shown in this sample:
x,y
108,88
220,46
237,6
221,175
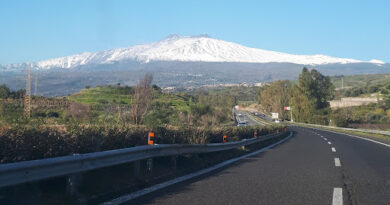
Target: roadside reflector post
x,y
255,134
277,131
174,162
224,139
149,162
151,138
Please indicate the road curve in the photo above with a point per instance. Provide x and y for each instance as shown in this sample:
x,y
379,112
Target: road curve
x,y
313,167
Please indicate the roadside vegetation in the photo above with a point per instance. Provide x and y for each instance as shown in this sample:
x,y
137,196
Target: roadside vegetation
x,y
309,100
362,85
112,117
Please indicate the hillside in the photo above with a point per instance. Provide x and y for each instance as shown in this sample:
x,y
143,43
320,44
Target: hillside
x,y
362,85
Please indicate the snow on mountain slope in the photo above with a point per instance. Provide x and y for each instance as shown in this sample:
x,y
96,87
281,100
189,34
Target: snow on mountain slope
x,y
191,48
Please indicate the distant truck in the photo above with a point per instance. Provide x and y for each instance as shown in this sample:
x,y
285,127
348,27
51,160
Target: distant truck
x,y
275,115
241,120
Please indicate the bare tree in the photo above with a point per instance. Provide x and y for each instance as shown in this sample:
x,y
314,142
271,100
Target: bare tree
x,y
142,99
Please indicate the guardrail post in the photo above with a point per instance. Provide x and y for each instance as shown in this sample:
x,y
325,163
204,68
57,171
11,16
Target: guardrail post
x,y
72,184
137,168
149,167
174,162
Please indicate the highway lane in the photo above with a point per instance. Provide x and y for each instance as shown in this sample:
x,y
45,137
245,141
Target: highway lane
x,y
313,167
365,167
250,120
302,170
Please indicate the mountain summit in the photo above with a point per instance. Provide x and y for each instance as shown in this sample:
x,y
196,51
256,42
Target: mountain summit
x,y
200,48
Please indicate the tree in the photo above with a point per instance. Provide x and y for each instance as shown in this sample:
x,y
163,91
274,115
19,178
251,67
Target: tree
x,y
311,97
142,99
4,91
275,96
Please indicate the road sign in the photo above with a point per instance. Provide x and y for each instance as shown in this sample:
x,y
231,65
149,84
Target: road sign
x,y
287,108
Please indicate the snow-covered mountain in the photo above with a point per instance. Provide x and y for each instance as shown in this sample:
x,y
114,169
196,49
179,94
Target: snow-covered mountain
x,y
200,48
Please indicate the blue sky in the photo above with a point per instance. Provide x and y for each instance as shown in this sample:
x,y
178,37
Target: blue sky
x,y
38,30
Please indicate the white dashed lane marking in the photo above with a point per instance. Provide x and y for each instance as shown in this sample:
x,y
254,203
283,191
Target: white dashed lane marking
x,y
337,196
337,162
329,143
333,149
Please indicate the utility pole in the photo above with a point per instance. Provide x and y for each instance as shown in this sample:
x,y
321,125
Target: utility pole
x,y
36,84
27,97
342,83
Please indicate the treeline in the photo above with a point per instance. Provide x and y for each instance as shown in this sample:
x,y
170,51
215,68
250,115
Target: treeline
x,y
369,89
5,93
308,98
368,116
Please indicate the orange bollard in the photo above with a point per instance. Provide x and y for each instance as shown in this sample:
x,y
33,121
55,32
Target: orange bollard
x,y
255,135
224,139
151,138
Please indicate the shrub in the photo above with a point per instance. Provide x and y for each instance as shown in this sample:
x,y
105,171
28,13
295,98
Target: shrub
x,y
36,142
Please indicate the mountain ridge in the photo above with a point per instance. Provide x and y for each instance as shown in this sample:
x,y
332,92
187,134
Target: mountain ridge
x,y
198,48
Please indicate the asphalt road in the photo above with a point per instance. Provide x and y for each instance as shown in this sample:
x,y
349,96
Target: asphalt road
x,y
250,120
303,170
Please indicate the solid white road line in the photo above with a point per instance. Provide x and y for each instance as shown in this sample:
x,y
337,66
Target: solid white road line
x,y
340,133
337,196
329,143
337,162
333,149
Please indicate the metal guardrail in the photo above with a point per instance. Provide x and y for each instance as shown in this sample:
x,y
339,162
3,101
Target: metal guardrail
x,y
347,129
28,171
